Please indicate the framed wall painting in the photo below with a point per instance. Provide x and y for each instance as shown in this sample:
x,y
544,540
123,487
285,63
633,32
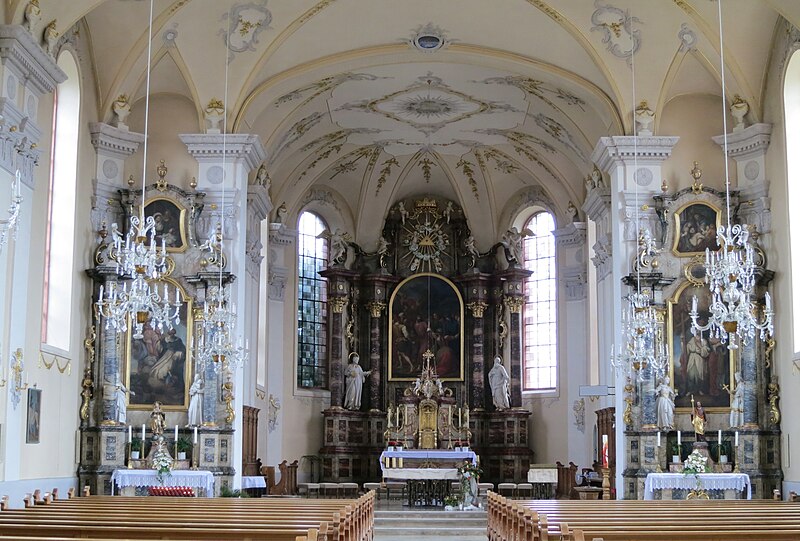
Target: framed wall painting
x,y
170,220
426,312
157,366
699,365
33,423
696,225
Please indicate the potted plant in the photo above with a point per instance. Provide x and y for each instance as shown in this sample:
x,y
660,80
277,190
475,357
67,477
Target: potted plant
x,y
676,453
451,502
136,448
184,446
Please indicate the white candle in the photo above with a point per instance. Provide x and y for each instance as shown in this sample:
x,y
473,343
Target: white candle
x,y
195,434
143,434
719,437
130,433
176,433
459,417
658,439
679,438
736,439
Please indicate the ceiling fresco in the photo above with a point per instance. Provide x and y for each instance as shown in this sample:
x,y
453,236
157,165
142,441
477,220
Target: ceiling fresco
x,y
373,99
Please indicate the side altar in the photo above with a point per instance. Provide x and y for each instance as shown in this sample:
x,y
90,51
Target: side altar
x,y
425,299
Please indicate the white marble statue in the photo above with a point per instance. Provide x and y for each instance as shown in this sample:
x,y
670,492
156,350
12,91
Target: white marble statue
x,y
33,14
121,398
338,253
737,401
121,108
665,405
499,382
354,383
196,392
512,243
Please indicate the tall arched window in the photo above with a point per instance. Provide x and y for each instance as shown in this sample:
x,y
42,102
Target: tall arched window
x,y
312,367
60,240
539,362
791,103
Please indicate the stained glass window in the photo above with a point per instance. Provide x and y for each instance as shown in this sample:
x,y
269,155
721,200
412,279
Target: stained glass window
x,y
312,364
539,363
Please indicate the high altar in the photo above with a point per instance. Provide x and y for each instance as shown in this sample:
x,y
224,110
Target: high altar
x,y
425,298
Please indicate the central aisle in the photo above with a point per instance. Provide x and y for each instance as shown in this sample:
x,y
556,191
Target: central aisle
x,y
404,524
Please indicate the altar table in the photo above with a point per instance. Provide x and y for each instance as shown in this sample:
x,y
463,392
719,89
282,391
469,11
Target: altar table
x,y
427,454
253,481
424,486
199,479
708,481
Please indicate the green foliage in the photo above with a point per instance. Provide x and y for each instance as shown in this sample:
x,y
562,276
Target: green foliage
x,y
452,500
184,445
227,492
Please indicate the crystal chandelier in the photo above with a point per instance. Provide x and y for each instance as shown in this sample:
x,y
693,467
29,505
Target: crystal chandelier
x,y
8,227
217,343
644,346
138,257
730,273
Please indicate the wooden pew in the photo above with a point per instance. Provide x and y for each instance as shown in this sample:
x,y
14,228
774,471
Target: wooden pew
x,y
728,520
104,517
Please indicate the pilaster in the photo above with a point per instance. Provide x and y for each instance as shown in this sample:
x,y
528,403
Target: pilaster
x,y
112,146
224,166
633,167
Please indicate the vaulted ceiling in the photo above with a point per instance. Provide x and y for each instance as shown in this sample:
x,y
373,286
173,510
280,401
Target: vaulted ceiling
x,y
514,98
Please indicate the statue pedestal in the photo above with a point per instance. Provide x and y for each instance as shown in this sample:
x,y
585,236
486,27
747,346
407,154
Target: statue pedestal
x,y
702,448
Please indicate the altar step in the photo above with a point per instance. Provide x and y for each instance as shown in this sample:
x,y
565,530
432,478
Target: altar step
x,y
422,525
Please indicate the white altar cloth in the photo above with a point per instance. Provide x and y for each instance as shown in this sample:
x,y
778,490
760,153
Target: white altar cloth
x,y
253,481
179,478
708,481
429,454
414,474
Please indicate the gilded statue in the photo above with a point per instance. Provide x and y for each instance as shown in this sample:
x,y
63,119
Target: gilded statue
x,y
157,420
773,391
698,420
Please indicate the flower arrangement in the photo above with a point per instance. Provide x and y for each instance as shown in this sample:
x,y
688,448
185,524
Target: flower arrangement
x,y
469,475
696,463
162,463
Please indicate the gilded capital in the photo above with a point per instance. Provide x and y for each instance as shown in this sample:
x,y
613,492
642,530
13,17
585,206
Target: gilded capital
x,y
514,304
338,304
376,307
477,308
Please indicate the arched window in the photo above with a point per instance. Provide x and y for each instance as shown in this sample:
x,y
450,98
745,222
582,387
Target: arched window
x,y
539,361
60,239
791,103
312,293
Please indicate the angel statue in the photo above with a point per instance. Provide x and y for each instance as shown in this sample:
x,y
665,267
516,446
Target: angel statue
x,y
471,251
512,244
338,245
382,251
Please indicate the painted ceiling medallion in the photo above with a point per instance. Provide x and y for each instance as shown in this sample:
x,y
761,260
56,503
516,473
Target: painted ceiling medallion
x,y
426,109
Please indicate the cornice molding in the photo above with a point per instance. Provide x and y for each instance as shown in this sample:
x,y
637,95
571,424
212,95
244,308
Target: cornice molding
x,y
20,50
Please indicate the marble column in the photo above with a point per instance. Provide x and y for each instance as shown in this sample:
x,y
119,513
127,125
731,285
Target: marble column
x,y
476,290
376,309
749,368
338,279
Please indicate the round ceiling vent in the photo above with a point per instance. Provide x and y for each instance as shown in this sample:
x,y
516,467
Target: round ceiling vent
x,y
428,38
428,42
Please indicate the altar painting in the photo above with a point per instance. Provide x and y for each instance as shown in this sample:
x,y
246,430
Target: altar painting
x,y
426,312
170,224
157,367
696,227
699,365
